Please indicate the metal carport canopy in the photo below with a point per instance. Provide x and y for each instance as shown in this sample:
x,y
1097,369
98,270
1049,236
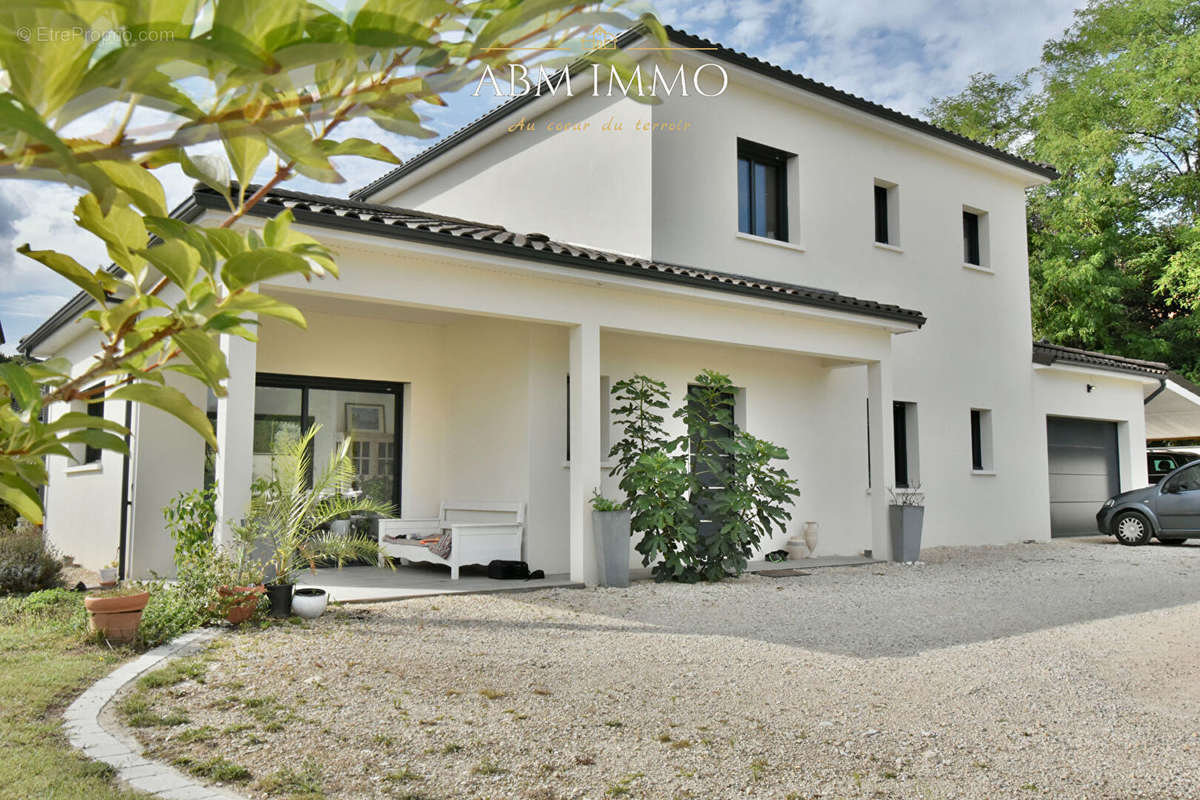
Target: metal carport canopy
x,y
1173,410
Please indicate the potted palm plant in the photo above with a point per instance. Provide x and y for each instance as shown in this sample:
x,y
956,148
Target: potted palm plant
x,y
293,517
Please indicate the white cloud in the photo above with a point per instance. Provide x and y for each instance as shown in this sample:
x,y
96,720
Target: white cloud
x,y
896,52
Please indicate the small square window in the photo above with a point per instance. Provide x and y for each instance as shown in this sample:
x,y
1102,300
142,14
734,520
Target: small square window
x,y
887,217
762,191
981,440
975,237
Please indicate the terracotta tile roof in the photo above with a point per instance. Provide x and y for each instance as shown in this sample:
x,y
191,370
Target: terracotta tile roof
x,y
375,219
1046,353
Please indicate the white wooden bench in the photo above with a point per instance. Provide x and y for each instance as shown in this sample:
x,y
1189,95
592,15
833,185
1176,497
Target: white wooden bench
x,y
479,533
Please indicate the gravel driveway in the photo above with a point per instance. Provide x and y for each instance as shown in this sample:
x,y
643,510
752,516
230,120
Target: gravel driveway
x,y
1064,670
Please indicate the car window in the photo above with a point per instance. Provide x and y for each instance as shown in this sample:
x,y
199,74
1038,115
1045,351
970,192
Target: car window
x,y
1161,464
1186,480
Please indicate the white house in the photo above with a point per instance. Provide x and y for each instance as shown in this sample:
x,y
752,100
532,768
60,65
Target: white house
x,y
861,275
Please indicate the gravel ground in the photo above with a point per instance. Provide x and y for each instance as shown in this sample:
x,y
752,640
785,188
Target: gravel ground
x,y
1064,670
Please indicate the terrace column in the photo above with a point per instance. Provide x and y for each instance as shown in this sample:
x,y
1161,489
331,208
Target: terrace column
x,y
235,436
879,422
585,446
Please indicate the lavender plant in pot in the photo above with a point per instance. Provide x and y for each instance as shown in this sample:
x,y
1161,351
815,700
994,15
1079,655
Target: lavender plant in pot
x,y
292,516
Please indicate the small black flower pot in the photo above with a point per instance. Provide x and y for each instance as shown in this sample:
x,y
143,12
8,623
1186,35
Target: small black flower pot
x,y
280,595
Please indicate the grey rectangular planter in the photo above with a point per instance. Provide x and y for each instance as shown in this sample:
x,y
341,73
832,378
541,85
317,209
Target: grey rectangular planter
x,y
905,523
610,531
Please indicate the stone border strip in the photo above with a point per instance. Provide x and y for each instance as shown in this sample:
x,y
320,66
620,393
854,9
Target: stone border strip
x,y
86,729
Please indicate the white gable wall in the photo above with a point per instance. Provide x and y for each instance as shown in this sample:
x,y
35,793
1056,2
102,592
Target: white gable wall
x,y
588,186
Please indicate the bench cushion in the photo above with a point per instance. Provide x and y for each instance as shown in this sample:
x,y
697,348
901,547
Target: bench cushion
x,y
442,546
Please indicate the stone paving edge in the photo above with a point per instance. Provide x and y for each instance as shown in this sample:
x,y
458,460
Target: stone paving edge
x,y
113,745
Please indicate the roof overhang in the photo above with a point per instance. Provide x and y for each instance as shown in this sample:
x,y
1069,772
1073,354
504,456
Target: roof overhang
x,y
1046,355
354,220
486,128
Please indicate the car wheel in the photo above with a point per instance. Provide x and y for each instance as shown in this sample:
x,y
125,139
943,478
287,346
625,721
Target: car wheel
x,y
1172,542
1131,528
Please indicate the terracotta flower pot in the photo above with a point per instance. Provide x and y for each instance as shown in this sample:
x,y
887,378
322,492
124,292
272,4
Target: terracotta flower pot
x,y
117,618
241,600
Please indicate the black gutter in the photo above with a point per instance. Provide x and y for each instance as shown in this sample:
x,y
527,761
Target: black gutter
x,y
70,311
355,224
723,53
125,501
1162,387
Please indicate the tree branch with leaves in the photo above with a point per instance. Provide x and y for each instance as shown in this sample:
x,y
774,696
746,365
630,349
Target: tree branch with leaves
x,y
259,81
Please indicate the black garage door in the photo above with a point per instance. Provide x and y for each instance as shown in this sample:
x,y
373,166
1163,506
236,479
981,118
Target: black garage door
x,y
1083,472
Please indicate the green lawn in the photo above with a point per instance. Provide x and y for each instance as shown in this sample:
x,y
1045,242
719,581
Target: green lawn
x,y
44,665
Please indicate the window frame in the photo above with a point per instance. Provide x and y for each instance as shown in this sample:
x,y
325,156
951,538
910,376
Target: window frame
x,y
94,408
774,159
307,383
975,242
982,439
906,463
887,218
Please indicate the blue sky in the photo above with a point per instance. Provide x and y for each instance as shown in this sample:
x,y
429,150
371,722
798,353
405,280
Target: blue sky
x,y
896,52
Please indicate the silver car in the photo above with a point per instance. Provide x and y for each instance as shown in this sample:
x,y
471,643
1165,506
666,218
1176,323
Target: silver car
x,y
1169,510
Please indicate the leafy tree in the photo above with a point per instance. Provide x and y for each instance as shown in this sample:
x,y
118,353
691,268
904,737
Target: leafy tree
x,y
733,486
1114,105
655,482
702,501
263,81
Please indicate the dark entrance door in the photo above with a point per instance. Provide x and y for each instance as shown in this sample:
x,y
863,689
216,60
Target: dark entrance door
x,y
710,463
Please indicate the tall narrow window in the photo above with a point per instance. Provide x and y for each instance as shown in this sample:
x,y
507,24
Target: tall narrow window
x,y
971,240
900,442
887,217
904,443
981,440
95,408
762,190
881,214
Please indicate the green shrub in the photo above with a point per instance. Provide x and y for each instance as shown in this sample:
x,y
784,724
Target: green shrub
x,y
715,473
26,564
191,517
8,517
191,600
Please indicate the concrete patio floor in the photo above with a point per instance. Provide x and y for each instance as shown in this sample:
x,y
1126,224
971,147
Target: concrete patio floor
x,y
373,584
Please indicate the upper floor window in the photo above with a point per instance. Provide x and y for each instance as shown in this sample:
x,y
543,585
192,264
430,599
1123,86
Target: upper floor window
x,y
887,218
974,237
762,190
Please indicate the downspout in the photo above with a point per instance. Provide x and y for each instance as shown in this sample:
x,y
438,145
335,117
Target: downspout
x,y
125,500
1162,385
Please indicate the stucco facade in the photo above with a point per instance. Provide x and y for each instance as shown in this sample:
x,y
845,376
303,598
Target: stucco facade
x,y
482,340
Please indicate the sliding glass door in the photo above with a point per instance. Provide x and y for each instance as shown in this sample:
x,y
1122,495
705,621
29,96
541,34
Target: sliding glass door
x,y
368,414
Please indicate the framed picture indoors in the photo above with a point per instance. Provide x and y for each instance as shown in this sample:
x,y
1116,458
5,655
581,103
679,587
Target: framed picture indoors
x,y
366,417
